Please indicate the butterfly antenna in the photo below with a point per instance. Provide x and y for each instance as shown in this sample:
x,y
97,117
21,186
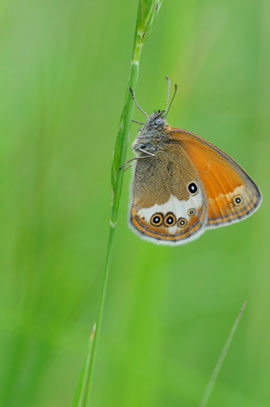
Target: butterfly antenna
x,y
168,92
136,103
172,99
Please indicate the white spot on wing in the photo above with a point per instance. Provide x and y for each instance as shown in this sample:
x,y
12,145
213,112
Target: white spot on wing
x,y
243,191
178,207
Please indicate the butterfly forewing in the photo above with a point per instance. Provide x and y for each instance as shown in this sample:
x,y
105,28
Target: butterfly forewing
x,y
231,194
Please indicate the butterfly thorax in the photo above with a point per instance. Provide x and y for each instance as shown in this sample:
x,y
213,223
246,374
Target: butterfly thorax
x,y
152,135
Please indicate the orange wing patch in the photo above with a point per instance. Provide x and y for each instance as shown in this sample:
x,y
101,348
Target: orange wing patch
x,y
231,193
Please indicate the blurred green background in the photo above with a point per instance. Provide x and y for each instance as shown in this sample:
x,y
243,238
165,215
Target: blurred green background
x,y
63,74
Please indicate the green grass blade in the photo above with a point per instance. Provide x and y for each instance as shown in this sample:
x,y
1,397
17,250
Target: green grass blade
x,y
147,11
81,394
221,358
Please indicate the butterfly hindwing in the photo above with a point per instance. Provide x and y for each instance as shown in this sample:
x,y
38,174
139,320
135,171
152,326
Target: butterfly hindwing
x,y
168,203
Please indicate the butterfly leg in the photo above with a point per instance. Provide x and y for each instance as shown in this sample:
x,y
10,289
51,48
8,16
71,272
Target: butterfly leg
x,y
133,159
145,152
127,162
130,165
137,122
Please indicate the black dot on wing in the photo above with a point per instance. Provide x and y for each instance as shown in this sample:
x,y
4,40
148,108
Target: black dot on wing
x,y
191,212
192,188
156,219
182,222
238,200
170,219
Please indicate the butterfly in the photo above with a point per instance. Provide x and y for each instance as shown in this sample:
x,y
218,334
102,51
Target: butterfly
x,y
183,184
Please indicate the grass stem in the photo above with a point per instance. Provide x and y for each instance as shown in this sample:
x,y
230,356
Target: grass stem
x,y
221,358
147,11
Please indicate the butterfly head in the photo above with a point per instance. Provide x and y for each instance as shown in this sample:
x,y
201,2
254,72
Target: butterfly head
x,y
153,130
157,120
151,133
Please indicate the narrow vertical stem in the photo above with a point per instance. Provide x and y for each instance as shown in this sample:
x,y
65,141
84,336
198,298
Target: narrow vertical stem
x,y
89,383
147,11
221,358
80,398
117,181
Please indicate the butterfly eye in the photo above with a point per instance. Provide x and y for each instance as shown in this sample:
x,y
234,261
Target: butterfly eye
x,y
191,212
192,188
181,222
156,219
237,200
170,219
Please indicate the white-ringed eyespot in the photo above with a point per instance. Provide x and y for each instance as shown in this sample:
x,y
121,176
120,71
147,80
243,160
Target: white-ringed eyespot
x,y
170,219
156,219
182,222
193,188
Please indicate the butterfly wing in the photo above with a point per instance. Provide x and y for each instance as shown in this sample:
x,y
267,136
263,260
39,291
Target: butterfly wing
x,y
163,209
231,194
